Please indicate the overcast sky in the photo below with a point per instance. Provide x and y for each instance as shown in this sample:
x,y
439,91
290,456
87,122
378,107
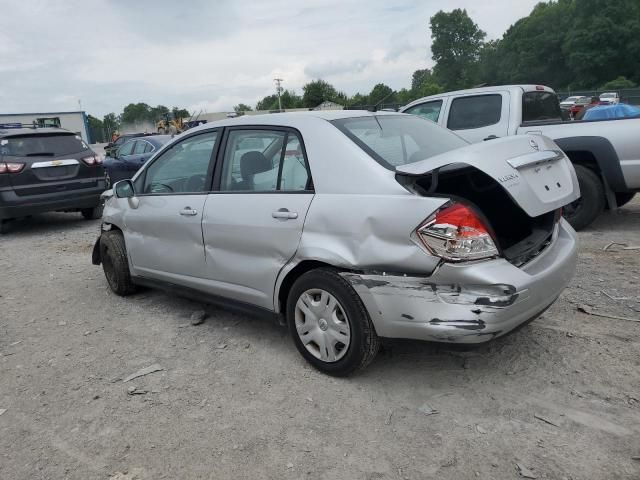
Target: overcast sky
x,y
214,54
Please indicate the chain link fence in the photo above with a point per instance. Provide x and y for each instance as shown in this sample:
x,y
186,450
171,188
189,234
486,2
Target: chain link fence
x,y
627,95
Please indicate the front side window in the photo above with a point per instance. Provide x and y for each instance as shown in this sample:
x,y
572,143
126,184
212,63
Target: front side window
x,y
183,168
475,111
394,140
429,110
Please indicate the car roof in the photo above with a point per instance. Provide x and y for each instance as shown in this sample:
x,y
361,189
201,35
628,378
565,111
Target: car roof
x,y
9,132
289,118
155,140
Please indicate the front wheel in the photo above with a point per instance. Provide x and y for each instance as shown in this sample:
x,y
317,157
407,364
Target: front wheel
x,y
329,324
113,255
591,203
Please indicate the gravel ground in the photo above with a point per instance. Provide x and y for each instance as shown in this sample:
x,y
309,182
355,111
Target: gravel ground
x,y
560,397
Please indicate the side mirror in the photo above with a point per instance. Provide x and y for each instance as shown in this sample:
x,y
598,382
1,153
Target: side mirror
x,y
124,189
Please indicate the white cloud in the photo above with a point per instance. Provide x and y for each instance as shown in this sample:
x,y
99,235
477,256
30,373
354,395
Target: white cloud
x,y
214,54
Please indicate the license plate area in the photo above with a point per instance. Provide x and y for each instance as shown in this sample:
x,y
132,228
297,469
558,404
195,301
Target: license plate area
x,y
550,180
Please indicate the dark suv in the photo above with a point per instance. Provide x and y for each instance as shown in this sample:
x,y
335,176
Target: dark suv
x,y
47,169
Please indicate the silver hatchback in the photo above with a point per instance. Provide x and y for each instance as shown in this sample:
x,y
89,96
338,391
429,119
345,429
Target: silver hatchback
x,y
349,226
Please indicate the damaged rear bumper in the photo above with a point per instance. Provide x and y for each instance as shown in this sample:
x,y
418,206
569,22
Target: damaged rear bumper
x,y
468,303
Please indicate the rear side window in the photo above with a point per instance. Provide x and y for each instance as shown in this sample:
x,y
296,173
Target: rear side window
x,y
126,149
42,145
394,140
475,112
429,110
140,147
541,106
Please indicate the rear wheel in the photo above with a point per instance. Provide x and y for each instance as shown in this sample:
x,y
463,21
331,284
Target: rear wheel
x,y
329,324
113,255
591,203
624,198
92,213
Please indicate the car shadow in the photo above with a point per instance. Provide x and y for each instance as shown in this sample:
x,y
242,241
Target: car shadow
x,y
46,223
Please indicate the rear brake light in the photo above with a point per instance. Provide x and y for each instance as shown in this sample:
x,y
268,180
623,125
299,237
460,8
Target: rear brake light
x,y
539,88
457,233
11,167
93,160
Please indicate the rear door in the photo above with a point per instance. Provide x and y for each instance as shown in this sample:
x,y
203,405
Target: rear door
x,y
478,117
53,162
253,223
163,221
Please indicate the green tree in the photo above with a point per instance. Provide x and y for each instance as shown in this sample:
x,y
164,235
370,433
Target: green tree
x,y
456,45
110,123
382,93
96,129
288,99
241,108
135,113
357,100
180,113
419,77
619,83
316,92
531,50
604,41
157,113
427,89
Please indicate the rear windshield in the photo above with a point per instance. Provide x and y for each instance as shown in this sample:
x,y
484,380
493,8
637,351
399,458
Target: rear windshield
x,y
394,140
540,107
42,145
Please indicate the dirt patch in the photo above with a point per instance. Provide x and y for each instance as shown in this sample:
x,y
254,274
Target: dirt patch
x,y
558,399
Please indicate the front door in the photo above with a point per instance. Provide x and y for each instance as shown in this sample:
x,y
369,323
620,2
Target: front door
x,y
253,221
164,220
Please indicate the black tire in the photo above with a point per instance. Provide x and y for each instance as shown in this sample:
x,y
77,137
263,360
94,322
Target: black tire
x,y
624,198
364,342
591,203
113,255
4,226
92,213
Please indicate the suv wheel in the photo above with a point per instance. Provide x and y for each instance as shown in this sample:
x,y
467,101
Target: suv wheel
x,y
591,202
113,255
92,213
329,324
4,226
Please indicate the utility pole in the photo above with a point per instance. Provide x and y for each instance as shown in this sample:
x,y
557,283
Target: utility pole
x,y
279,90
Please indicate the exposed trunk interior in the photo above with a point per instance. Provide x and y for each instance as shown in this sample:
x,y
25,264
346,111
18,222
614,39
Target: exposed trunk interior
x,y
519,236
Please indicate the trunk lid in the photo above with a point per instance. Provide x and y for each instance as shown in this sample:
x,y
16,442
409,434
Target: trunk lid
x,y
532,170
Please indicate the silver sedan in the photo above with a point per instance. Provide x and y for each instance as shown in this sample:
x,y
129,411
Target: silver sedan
x,y
348,227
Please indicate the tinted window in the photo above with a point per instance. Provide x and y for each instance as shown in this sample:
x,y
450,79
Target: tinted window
x,y
429,110
140,147
540,106
45,145
148,147
183,168
127,148
474,112
394,140
252,160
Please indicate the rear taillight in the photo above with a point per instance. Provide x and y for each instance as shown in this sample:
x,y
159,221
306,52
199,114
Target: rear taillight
x,y
11,167
457,233
93,160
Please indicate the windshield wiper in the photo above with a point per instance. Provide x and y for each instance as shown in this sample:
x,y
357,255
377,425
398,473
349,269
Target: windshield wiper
x,y
40,154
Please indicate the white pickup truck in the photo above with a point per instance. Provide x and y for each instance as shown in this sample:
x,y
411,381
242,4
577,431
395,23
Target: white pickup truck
x,y
605,153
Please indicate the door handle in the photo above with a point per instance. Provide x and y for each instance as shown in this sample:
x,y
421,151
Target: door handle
x,y
188,212
284,214
490,137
